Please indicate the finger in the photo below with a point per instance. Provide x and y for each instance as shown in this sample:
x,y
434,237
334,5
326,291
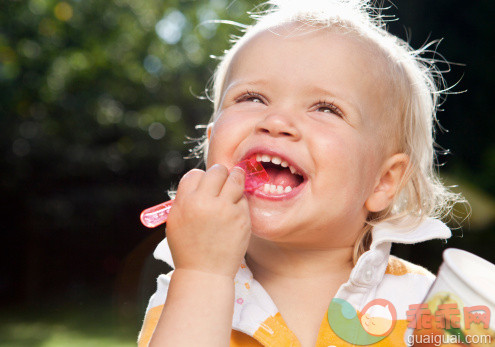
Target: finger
x,y
233,189
212,182
190,181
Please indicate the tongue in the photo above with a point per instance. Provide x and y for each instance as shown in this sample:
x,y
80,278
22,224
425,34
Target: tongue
x,y
282,177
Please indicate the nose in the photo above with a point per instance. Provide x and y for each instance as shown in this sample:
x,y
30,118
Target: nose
x,y
278,125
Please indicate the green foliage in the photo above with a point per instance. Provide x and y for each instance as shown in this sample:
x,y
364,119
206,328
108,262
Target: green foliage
x,y
66,326
96,101
93,76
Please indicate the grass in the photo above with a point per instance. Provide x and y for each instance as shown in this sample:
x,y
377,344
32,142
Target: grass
x,y
67,326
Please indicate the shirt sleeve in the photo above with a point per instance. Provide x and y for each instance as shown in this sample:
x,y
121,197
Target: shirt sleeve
x,y
154,310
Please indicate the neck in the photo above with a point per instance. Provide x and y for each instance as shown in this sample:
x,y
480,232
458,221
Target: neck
x,y
271,260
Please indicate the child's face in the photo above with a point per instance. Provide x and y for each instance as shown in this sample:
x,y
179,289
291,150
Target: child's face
x,y
315,101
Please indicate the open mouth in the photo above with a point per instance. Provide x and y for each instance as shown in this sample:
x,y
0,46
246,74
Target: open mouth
x,y
283,176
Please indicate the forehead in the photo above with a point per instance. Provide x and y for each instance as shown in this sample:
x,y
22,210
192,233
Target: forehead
x,y
296,57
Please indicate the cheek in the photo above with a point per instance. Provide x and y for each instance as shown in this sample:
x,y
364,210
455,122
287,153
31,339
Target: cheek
x,y
226,134
349,162
339,153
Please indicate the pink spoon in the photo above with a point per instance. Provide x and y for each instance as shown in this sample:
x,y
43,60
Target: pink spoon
x,y
256,176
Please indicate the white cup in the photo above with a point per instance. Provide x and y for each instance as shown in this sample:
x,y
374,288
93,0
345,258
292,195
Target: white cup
x,y
460,304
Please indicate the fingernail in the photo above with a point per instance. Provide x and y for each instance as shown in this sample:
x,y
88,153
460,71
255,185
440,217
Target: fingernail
x,y
238,169
240,173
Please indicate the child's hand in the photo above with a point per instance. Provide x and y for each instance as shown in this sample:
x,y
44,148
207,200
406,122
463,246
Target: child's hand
x,y
209,226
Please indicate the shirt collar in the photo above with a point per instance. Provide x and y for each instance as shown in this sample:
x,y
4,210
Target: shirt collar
x,y
409,231
371,265
162,252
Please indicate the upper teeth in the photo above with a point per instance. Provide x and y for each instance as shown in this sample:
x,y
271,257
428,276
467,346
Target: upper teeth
x,y
266,158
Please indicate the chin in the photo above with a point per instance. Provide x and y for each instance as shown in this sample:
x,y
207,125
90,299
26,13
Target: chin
x,y
268,228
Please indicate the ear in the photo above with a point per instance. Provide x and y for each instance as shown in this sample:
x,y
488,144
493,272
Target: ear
x,y
388,184
208,130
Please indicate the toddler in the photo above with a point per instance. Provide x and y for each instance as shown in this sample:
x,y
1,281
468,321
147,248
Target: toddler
x,y
341,115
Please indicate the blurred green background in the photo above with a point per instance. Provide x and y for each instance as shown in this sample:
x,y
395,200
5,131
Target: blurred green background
x,y
96,101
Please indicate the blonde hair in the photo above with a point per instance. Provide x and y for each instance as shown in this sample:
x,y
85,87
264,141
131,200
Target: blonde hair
x,y
417,84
